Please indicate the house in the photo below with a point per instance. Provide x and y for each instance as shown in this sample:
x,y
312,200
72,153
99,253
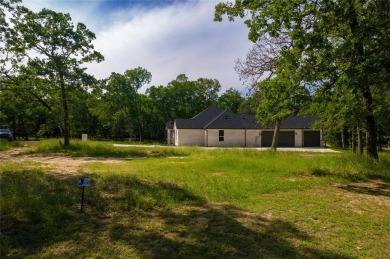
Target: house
x,y
215,127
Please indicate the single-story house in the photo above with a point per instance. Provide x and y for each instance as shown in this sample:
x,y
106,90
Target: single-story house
x,y
215,127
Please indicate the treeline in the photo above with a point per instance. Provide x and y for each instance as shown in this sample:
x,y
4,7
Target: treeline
x,y
45,90
115,109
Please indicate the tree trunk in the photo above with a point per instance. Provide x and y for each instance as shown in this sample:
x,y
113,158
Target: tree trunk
x,y
139,130
66,113
15,134
342,138
370,125
275,139
359,139
23,125
137,104
363,84
353,140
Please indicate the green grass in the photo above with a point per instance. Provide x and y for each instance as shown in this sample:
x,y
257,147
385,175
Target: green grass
x,y
78,148
236,175
196,203
6,145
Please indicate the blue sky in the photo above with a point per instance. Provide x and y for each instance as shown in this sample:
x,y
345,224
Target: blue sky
x,y
167,37
120,4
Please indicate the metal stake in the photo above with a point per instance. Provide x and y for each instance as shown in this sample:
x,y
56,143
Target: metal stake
x,y
82,201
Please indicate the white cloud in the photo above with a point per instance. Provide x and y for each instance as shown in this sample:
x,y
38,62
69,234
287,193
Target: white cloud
x,y
167,41
83,11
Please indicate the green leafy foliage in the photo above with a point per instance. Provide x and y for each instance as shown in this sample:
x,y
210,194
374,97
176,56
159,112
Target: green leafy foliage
x,y
182,98
338,44
55,51
118,103
230,100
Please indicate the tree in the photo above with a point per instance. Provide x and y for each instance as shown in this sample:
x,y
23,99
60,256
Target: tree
x,y
153,124
260,61
350,37
260,64
9,60
230,100
250,103
282,96
382,115
265,68
82,120
335,117
137,78
23,115
55,51
206,92
118,104
183,98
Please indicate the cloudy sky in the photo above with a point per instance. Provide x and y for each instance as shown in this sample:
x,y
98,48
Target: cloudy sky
x,y
166,37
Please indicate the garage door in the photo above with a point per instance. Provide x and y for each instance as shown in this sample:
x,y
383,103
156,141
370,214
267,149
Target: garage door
x,y
286,138
266,138
311,139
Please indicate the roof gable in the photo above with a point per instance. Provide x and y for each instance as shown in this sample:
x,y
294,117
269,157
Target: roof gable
x,y
200,120
226,120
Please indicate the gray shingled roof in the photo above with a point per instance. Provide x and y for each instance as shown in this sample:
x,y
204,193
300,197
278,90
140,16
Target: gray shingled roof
x,y
169,125
296,122
199,121
215,118
226,120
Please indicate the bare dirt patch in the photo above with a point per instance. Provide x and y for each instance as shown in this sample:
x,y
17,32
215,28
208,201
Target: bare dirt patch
x,y
60,163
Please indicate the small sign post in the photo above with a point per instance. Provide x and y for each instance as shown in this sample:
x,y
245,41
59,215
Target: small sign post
x,y
83,182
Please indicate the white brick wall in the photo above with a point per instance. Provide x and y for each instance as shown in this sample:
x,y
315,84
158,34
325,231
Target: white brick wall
x,y
189,137
253,138
231,138
299,138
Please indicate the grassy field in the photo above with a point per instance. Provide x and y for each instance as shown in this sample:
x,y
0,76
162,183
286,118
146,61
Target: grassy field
x,y
166,202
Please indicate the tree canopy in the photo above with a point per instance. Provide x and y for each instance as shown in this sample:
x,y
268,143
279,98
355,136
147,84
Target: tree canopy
x,y
54,51
338,43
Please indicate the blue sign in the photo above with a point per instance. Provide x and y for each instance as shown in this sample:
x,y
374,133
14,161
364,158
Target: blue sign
x,y
84,182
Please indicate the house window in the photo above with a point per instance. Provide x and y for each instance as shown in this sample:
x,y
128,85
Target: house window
x,y
221,135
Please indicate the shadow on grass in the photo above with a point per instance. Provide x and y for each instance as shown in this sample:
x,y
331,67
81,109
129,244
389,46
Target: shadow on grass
x,y
375,188
129,217
319,172
351,177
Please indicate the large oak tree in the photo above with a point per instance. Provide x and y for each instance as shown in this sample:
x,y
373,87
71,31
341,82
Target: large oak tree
x,y
55,50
